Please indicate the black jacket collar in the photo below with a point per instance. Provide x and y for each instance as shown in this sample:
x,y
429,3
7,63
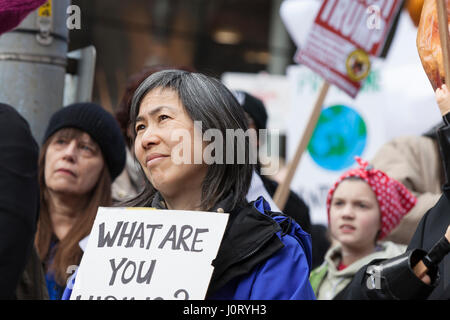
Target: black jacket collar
x,y
249,239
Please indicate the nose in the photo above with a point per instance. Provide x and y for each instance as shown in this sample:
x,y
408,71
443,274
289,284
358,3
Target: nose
x,y
70,151
149,138
347,212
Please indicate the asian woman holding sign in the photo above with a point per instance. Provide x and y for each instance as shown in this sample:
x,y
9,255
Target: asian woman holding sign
x,y
174,116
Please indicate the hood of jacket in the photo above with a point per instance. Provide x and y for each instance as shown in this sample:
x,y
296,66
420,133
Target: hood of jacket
x,y
253,234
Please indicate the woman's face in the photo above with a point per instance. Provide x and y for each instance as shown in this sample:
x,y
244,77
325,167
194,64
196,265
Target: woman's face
x,y
167,159
354,215
72,165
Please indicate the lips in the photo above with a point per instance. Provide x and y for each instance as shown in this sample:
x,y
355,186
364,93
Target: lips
x,y
154,157
66,171
347,228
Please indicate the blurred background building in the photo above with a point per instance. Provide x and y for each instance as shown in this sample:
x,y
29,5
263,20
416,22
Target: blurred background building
x,y
245,43
211,36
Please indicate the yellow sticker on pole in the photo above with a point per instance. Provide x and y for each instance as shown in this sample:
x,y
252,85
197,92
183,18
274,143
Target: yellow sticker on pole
x,y
45,23
46,9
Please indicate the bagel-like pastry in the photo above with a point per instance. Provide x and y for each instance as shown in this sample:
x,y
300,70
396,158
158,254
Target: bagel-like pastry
x,y
429,43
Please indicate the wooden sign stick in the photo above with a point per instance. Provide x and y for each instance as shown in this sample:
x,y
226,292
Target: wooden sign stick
x,y
443,35
281,194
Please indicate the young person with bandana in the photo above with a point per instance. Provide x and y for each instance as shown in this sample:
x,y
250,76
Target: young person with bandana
x,y
363,206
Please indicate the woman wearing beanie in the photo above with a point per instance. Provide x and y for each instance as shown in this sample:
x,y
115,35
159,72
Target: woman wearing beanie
x,y
363,206
83,152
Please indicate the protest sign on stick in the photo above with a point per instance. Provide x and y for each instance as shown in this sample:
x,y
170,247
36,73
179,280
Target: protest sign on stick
x,y
148,254
282,193
344,35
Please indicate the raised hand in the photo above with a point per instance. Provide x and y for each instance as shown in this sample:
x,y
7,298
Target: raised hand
x,y
443,99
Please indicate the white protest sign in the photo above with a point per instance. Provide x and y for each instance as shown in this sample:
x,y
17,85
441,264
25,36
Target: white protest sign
x,y
344,35
395,100
147,254
272,90
386,107
298,17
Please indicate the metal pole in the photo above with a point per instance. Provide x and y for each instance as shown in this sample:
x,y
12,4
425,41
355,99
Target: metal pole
x,y
33,64
279,44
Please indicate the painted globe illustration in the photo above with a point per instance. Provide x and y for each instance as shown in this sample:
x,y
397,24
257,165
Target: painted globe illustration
x,y
339,136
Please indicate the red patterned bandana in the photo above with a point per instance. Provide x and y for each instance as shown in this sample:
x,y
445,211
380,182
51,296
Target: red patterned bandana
x,y
394,200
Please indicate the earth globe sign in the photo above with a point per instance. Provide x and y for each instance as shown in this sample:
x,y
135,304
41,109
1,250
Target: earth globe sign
x,y
339,136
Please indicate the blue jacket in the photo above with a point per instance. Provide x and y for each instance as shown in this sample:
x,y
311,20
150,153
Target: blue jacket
x,y
283,269
263,256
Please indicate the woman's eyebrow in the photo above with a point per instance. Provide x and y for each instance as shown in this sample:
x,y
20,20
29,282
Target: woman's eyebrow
x,y
88,142
155,111
138,119
365,200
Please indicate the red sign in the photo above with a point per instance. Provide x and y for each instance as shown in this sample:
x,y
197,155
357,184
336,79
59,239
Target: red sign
x,y
344,34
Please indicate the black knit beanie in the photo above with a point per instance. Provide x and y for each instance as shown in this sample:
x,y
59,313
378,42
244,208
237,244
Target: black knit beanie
x,y
100,125
254,107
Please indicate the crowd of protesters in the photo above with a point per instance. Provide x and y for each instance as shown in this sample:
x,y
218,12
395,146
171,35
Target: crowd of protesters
x,y
384,220
84,150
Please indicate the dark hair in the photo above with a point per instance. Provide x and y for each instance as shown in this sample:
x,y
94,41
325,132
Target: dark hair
x,y
123,109
254,107
207,100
